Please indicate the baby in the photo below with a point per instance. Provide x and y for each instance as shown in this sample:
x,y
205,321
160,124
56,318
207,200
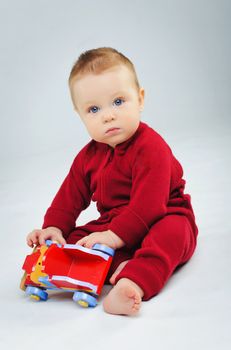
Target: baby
x,y
131,173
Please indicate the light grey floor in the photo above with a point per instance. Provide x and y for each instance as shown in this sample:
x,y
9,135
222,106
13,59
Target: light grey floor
x,y
192,311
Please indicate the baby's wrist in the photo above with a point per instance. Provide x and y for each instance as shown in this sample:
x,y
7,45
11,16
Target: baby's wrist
x,y
118,242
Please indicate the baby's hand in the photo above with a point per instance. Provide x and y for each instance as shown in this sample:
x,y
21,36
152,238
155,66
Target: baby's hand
x,y
108,238
37,237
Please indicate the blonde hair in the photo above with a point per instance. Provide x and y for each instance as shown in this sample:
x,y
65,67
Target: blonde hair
x,y
97,61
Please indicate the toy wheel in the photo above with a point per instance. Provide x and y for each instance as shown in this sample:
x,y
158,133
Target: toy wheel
x,y
36,293
49,242
104,249
84,299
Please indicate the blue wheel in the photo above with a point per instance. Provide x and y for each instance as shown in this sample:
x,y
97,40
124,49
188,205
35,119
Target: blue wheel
x,y
84,299
104,249
49,242
36,293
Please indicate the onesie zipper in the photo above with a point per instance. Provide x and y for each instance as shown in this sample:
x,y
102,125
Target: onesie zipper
x,y
103,175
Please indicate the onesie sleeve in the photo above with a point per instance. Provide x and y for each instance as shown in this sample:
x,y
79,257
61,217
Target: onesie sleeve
x,y
72,197
151,177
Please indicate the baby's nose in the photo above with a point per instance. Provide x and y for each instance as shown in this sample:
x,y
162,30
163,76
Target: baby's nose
x,y
108,116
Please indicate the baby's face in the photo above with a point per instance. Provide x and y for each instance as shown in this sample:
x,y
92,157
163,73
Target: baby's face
x,y
106,101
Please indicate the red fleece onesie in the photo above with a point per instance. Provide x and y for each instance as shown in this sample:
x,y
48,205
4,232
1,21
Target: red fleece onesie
x,y
139,193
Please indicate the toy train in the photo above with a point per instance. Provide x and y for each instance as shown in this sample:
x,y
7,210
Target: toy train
x,y
68,267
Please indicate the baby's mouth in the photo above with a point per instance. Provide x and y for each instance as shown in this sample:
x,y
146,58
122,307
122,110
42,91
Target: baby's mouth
x,y
112,130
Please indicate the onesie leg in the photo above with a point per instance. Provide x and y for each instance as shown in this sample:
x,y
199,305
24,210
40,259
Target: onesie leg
x,y
169,243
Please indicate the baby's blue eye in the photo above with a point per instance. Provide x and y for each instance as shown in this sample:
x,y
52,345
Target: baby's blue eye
x,y
93,109
118,101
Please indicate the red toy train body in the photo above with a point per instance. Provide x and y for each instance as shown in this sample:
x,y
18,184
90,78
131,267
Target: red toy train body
x,y
68,267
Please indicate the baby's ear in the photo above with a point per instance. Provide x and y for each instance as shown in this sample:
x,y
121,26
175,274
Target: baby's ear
x,y
141,97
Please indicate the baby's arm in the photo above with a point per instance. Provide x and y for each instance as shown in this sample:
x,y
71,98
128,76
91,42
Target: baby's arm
x,y
37,237
72,198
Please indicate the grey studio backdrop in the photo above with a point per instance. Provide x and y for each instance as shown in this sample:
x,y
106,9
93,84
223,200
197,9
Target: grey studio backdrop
x,y
181,51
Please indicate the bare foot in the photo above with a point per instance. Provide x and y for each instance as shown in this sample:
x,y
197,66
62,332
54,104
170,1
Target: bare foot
x,y
124,298
117,271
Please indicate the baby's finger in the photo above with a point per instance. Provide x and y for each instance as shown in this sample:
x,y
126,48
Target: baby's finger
x,y
30,235
61,240
34,235
82,241
33,238
30,243
91,242
41,240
